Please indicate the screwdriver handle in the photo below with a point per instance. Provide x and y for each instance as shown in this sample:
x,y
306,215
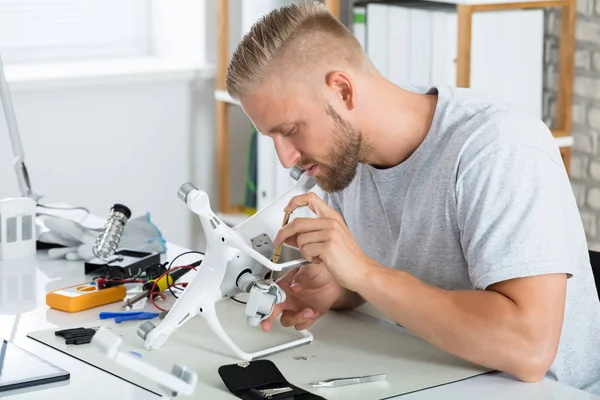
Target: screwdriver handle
x,y
168,280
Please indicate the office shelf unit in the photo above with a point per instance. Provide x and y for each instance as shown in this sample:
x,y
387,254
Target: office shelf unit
x,y
465,10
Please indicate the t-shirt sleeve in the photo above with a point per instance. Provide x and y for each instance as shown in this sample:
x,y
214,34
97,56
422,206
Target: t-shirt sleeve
x,y
516,213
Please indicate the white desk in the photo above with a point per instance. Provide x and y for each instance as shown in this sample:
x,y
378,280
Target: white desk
x,y
29,312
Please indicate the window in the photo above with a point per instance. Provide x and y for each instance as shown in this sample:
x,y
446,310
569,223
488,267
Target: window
x,y
52,30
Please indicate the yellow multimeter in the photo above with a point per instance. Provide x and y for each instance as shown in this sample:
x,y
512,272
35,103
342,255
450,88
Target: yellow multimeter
x,y
84,296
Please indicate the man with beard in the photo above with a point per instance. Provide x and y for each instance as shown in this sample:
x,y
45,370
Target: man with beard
x,y
450,214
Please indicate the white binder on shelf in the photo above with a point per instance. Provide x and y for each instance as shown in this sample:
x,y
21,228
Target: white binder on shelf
x,y
359,27
399,45
273,178
420,46
507,57
416,43
444,47
377,36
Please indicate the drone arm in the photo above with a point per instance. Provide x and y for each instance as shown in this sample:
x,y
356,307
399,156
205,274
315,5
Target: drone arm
x,y
200,294
235,241
268,219
223,245
213,322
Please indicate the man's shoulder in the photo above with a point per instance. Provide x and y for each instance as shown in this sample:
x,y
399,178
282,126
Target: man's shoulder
x,y
480,124
471,112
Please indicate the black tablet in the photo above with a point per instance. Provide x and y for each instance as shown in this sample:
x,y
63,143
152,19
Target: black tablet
x,y
20,369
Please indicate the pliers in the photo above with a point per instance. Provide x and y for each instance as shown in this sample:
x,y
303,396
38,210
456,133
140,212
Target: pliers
x,y
128,316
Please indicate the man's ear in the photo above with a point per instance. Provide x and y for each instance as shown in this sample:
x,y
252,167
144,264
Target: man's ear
x,y
343,87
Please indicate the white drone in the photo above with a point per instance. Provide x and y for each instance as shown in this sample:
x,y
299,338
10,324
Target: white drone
x,y
237,260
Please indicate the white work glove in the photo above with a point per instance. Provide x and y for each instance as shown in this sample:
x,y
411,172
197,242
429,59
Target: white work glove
x,y
78,241
81,252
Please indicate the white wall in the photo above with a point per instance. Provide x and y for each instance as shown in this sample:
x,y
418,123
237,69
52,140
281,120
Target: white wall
x,y
133,143
129,138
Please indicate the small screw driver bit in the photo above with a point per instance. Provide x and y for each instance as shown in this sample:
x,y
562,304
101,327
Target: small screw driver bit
x,y
277,250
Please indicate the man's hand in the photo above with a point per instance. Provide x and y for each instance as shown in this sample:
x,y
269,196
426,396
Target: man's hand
x,y
325,239
310,292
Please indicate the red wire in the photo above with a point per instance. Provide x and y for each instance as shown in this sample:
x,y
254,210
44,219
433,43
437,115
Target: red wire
x,y
179,286
151,297
183,285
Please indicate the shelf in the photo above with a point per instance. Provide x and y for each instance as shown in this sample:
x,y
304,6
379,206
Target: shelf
x,y
559,133
564,141
222,95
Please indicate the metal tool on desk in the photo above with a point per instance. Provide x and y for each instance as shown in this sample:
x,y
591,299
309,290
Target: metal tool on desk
x,y
128,316
268,393
336,382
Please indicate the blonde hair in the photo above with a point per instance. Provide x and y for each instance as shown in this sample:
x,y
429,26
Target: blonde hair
x,y
305,32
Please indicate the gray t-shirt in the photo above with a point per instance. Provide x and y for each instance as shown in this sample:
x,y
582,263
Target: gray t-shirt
x,y
483,199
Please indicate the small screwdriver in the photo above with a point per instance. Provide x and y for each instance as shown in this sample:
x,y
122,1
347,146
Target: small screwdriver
x,y
161,285
277,250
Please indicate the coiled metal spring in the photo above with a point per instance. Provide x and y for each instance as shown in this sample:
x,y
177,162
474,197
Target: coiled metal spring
x,y
108,242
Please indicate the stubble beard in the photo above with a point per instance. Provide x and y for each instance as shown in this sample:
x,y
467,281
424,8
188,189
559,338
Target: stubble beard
x,y
348,150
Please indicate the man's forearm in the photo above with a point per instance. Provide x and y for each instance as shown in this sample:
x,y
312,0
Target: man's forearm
x,y
348,300
484,327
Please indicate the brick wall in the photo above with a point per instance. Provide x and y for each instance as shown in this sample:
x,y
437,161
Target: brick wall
x,y
585,159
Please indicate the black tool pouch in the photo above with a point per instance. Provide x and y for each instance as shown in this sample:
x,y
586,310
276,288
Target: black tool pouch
x,y
246,379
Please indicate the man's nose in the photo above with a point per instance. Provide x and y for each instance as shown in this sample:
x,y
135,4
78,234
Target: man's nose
x,y
287,153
